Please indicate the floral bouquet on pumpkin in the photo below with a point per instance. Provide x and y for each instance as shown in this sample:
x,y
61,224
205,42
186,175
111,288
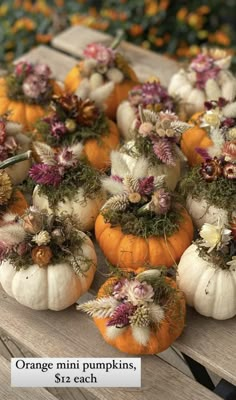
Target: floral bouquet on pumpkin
x,y
65,183
134,313
208,77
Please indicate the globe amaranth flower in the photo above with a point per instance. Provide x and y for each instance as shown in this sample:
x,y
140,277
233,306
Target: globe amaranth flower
x,y
104,55
146,185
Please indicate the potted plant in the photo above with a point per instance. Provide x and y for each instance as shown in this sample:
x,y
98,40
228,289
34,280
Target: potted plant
x,y
46,262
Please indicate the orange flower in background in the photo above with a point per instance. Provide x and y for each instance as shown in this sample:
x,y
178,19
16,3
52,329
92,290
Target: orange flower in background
x,y
43,38
136,30
3,10
195,20
203,10
24,23
151,8
182,14
222,38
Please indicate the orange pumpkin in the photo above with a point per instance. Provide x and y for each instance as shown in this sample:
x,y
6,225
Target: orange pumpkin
x,y
18,204
20,111
195,137
120,92
131,252
162,335
98,151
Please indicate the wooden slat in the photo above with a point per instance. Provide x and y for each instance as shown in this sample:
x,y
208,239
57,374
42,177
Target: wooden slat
x,y
59,63
146,63
210,342
9,393
72,334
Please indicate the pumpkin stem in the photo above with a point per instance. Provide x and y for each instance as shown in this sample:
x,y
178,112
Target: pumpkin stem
x,y
16,159
117,40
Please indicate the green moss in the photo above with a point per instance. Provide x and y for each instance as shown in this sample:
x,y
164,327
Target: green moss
x,y
83,176
220,193
144,147
146,225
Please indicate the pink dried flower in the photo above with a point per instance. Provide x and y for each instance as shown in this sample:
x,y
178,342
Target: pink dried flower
x,y
168,115
22,248
121,315
66,158
135,96
161,201
102,54
229,151
4,250
145,129
10,144
42,70
228,122
164,151
2,131
117,290
23,68
33,86
202,63
137,292
46,174
58,128
3,153
146,185
117,178
229,171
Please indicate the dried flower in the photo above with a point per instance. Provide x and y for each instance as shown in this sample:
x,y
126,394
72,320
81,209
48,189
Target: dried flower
x,y
87,112
141,316
121,315
58,128
2,132
41,255
229,151
46,174
42,70
32,222
164,151
23,68
211,118
215,236
160,202
146,185
66,158
229,171
134,197
70,125
33,86
5,187
232,133
145,129
58,236
211,169
138,292
22,248
41,238
100,308
102,54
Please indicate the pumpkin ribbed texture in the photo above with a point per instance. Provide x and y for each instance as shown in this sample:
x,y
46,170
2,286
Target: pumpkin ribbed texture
x,y
19,205
131,252
160,339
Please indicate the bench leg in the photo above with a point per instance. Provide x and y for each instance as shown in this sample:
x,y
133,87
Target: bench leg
x,y
226,390
199,372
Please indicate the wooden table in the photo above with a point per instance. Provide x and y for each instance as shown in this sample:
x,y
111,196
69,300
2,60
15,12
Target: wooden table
x,y
68,333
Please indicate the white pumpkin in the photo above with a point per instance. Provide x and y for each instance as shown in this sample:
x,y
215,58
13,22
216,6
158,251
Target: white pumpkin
x,y
201,212
172,174
125,116
85,210
19,171
208,288
54,287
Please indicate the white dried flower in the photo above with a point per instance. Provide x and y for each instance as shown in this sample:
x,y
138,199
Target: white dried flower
x,y
232,264
138,292
99,308
42,238
141,334
215,236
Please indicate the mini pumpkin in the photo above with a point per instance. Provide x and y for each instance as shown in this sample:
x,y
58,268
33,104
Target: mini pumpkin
x,y
211,129
138,324
150,95
155,137
65,184
25,93
140,224
72,120
104,76
39,277
207,77
207,274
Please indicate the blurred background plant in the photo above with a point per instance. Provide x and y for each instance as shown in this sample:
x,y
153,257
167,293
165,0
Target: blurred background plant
x,y
175,28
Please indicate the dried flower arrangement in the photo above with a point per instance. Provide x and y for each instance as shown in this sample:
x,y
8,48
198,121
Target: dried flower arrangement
x,y
65,183
149,95
207,78
104,76
134,313
211,188
156,137
40,241
72,120
140,208
13,142
25,91
211,263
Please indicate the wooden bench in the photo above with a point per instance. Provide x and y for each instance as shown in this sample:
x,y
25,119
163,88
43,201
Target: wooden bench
x,y
69,333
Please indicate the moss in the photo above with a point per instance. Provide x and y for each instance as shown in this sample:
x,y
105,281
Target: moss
x,y
218,258
220,193
148,224
83,176
144,147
